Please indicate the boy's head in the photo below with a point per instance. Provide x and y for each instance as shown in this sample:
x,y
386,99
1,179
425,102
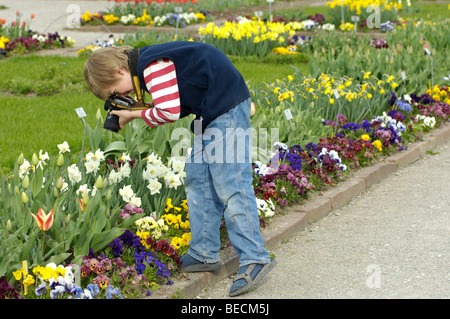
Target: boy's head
x,y
101,71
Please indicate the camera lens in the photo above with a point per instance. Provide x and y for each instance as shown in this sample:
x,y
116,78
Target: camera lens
x,y
112,123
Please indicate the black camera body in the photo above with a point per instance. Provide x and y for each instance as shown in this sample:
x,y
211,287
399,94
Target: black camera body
x,y
116,103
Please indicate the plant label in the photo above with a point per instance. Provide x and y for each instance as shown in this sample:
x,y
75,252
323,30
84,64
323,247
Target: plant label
x,y
288,114
81,113
336,94
403,75
355,18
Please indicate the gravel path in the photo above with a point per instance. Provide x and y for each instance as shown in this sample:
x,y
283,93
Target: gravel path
x,y
389,242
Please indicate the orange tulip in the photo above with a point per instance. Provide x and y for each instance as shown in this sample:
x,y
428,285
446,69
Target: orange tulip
x,y
32,16
44,221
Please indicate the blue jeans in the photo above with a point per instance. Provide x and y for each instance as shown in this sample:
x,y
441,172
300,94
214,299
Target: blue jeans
x,y
219,183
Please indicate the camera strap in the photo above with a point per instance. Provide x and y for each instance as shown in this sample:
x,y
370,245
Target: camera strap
x,y
133,57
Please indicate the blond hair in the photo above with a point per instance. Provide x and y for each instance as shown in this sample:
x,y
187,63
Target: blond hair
x,y
100,68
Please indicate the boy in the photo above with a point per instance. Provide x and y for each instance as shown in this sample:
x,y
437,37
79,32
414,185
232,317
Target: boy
x,y
195,78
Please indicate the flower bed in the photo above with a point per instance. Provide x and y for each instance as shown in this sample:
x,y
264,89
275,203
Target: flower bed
x,y
92,207
18,38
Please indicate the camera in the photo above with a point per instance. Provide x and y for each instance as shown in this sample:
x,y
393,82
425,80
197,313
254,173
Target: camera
x,y
116,103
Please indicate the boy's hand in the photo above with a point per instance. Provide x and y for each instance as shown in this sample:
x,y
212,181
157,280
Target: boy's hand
x,y
126,116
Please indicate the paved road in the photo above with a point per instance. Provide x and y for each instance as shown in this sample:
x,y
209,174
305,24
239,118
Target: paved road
x,y
56,15
390,242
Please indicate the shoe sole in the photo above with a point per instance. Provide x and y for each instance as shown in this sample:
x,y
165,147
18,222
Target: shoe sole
x,y
264,271
202,267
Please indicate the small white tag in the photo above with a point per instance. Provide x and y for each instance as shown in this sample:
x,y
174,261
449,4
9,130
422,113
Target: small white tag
x,y
288,114
403,75
81,113
336,94
355,18
270,1
427,51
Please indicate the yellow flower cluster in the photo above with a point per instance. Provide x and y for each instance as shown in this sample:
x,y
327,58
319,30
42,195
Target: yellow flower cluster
x,y
251,29
88,48
356,5
110,18
200,17
439,94
376,143
145,19
347,26
44,273
148,226
88,16
174,218
291,49
325,85
3,42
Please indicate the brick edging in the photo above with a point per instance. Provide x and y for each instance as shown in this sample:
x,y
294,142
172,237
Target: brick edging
x,y
312,210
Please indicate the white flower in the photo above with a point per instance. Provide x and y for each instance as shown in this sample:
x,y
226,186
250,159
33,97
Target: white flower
x,y
64,147
74,174
83,189
328,27
97,156
153,159
136,201
265,207
126,193
114,177
172,180
176,164
24,168
280,146
154,186
125,170
125,157
92,166
42,158
127,19
152,172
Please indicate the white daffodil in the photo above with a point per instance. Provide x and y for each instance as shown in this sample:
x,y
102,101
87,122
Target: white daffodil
x,y
74,174
92,166
154,186
114,177
83,189
126,193
172,180
64,147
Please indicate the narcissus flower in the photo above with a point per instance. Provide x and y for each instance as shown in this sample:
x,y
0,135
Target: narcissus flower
x,y
44,221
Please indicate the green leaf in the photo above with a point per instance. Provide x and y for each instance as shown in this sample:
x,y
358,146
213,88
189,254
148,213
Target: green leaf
x,y
101,240
37,181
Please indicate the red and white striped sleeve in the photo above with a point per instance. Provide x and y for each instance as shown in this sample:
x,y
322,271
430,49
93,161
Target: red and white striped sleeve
x,y
161,81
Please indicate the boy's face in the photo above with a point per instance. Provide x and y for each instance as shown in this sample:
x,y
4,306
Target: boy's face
x,y
123,85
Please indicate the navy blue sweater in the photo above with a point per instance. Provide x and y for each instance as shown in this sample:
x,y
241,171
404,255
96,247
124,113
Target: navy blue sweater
x,y
208,83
